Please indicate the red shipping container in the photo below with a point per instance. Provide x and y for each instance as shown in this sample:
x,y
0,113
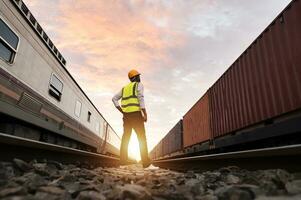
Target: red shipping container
x,y
176,138
165,145
172,142
151,154
265,81
196,123
159,150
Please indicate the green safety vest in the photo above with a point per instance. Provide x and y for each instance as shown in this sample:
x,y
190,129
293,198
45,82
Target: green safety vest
x,y
130,101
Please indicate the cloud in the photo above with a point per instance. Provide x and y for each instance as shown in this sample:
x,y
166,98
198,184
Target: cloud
x,y
181,47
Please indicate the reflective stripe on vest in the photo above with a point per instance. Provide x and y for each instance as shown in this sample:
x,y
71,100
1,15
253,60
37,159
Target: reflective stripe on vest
x,y
129,101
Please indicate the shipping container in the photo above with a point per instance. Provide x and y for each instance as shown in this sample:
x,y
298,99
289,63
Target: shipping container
x,y
264,82
152,154
176,137
173,141
165,145
196,123
159,150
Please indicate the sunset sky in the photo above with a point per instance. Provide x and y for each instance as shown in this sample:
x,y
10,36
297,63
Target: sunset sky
x,y
181,48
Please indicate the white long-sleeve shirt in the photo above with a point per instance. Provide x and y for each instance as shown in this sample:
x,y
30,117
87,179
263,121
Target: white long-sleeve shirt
x,y
140,95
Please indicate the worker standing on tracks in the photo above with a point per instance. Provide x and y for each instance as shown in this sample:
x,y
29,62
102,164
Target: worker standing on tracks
x,y
134,116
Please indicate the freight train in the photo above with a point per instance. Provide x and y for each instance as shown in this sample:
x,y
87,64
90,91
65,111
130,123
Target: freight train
x,y
39,99
256,103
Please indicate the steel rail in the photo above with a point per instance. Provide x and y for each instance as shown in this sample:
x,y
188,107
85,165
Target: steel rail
x,y
27,149
285,157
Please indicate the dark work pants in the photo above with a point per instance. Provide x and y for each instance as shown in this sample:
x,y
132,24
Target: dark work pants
x,y
134,121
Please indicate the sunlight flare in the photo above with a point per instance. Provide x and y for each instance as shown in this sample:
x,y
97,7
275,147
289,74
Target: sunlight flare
x,y
134,150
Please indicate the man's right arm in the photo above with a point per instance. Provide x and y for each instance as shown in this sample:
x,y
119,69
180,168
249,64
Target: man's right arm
x,y
115,100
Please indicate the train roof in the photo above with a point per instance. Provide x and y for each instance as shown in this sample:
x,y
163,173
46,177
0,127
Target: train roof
x,y
33,23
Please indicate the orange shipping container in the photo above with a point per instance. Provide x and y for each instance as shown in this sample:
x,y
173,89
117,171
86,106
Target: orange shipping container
x,y
196,123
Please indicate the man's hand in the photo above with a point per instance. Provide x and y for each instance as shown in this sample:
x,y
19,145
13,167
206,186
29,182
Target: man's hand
x,y
144,115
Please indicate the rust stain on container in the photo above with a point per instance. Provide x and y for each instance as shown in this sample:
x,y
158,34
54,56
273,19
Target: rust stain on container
x,y
196,123
264,82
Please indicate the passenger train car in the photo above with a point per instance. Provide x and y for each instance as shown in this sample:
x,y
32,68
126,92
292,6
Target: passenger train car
x,y
39,99
256,103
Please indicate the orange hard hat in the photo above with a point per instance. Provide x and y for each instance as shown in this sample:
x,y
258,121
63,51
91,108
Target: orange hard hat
x,y
133,73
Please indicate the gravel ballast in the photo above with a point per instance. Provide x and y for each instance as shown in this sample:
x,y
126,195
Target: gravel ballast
x,y
52,180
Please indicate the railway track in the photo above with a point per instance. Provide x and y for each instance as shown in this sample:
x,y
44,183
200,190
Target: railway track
x,y
285,157
50,180
26,149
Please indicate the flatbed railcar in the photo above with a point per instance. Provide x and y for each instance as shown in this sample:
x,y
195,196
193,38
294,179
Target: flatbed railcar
x,y
39,99
256,103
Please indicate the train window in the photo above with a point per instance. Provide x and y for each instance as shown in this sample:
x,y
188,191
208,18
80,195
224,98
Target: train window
x,y
24,9
50,43
55,87
78,106
32,19
39,28
89,116
8,42
45,36
55,50
64,61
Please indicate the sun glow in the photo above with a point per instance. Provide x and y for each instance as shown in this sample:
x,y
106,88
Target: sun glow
x,y
134,149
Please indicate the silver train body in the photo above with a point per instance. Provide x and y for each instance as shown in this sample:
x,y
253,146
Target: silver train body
x,y
39,99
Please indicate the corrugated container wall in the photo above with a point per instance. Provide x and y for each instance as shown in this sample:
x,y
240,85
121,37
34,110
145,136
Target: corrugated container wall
x,y
159,152
153,154
176,139
165,145
196,123
265,81
173,141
